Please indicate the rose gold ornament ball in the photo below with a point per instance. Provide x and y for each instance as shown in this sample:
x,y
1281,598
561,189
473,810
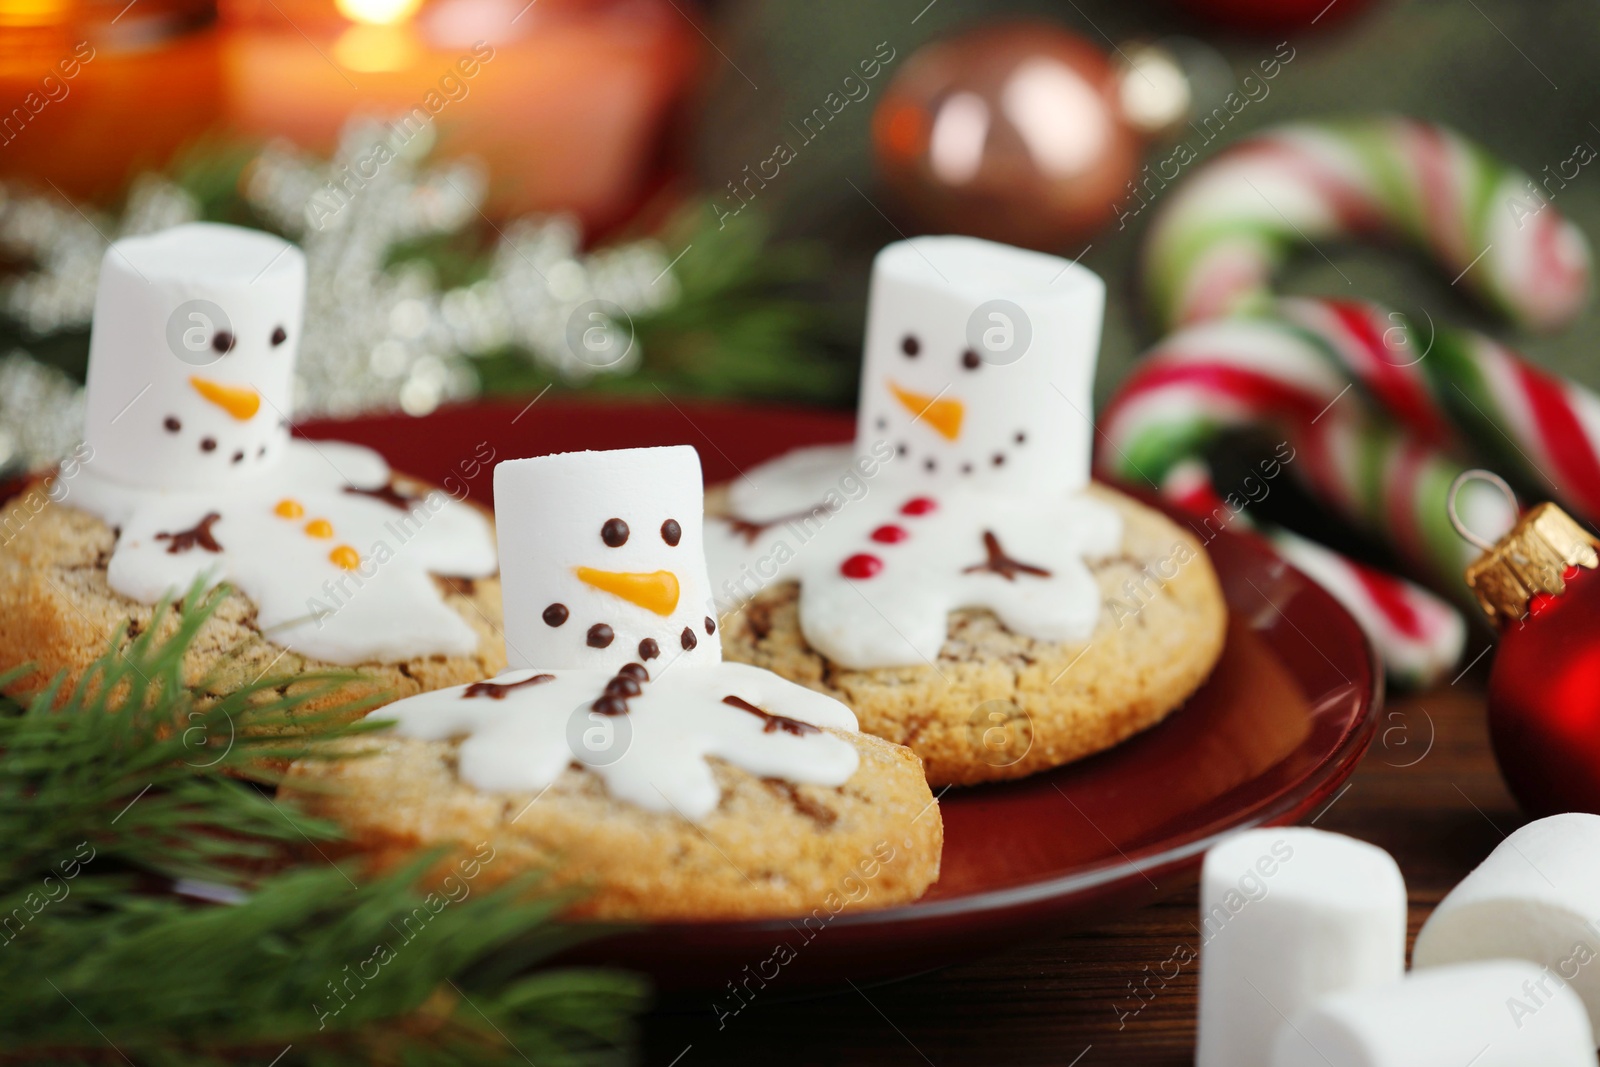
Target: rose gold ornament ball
x,y
1012,132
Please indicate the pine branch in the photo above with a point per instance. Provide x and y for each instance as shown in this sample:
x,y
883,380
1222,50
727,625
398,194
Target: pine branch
x,y
135,780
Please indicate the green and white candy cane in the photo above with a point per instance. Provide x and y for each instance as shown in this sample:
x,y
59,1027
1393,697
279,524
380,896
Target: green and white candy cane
x,y
1222,234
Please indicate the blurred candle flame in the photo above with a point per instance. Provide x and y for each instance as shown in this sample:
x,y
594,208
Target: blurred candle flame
x,y
378,12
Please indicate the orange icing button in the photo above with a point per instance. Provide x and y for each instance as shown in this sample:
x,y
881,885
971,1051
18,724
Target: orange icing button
x,y
319,528
289,508
346,557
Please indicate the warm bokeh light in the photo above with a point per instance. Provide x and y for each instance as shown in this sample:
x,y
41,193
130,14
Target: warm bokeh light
x,y
378,12
1155,92
371,49
23,13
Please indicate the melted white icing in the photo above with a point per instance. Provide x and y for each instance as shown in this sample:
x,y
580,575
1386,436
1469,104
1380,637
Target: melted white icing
x,y
386,610
898,616
654,755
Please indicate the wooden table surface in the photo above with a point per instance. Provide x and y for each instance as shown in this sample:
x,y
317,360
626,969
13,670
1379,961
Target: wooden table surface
x,y
1427,791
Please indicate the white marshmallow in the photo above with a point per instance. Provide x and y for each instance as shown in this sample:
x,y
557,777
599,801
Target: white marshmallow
x,y
1016,419
1537,898
158,387
1477,1013
1289,915
552,512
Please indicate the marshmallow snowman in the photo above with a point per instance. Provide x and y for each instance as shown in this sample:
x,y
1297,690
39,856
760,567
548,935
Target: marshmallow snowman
x,y
191,373
609,563
615,659
980,363
192,354
963,486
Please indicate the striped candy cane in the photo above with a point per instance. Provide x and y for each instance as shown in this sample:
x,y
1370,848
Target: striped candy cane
x,y
1219,238
1420,635
1381,413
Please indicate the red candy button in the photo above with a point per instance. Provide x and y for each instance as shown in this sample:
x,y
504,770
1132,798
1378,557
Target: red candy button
x,y
890,535
861,565
918,505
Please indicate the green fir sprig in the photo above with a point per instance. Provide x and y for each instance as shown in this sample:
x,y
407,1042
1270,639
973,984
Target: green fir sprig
x,y
132,786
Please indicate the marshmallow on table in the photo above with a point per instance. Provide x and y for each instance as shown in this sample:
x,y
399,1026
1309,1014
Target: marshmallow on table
x,y
191,356
1287,916
602,559
1537,898
1488,1014
976,356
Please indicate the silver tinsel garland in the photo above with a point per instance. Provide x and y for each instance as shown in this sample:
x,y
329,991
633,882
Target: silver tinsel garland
x,y
376,336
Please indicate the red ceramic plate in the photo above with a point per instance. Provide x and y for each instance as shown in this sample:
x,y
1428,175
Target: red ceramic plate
x,y
1280,724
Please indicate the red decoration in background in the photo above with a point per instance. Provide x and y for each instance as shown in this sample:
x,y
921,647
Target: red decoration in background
x,y
1544,700
1011,131
1265,16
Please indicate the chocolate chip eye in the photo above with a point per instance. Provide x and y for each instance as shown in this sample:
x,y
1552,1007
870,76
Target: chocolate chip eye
x,y
279,336
222,341
671,532
910,345
970,360
614,533
555,614
172,424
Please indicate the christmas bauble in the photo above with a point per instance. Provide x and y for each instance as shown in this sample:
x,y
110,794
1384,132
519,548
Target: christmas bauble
x,y
1011,132
1544,701
1263,16
1539,584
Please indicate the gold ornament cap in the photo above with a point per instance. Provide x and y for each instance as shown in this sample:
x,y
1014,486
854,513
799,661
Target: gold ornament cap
x,y
1534,557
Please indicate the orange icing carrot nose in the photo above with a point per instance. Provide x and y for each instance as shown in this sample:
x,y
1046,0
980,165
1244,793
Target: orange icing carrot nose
x,y
943,414
239,401
656,591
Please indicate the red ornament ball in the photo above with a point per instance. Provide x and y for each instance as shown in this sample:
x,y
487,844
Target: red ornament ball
x,y
861,565
1011,131
1544,700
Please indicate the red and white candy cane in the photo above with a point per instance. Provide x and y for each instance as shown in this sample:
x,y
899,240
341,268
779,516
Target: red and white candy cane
x,y
1421,635
1220,236
1378,409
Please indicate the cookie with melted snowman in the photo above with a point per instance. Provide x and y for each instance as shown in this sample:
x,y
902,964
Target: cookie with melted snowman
x,y
952,576
188,472
619,748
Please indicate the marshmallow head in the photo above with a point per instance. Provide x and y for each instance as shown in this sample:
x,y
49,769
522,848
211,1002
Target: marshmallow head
x,y
191,356
602,561
980,364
